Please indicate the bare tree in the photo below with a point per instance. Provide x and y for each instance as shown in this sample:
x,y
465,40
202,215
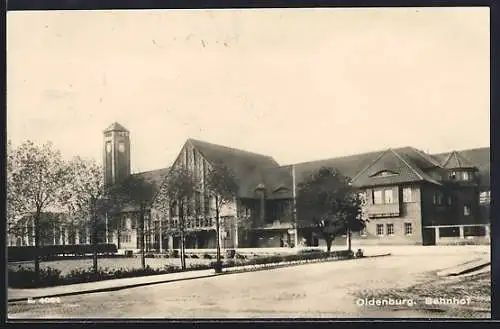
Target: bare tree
x,y
221,183
86,197
175,194
37,176
137,191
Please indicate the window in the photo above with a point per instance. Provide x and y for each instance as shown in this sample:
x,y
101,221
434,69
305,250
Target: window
x,y
466,175
133,223
474,231
380,229
197,203
407,197
377,197
485,197
194,158
390,229
126,238
207,205
408,229
467,210
453,175
438,198
388,196
173,209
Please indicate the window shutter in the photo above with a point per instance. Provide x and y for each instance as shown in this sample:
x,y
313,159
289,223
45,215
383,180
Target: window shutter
x,y
395,194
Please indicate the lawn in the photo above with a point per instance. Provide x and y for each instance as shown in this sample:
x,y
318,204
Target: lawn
x,y
65,266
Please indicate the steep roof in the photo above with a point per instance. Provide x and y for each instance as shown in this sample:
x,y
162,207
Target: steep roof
x,y
398,167
456,161
115,126
478,157
248,167
154,178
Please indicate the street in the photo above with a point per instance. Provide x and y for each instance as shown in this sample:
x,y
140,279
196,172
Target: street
x,y
323,290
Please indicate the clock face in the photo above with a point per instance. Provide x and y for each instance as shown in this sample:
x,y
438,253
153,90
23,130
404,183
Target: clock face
x,y
121,147
108,147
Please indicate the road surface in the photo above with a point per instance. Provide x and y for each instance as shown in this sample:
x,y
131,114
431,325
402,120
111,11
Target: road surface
x,y
322,290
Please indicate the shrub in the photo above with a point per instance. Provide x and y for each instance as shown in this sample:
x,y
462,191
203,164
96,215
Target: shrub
x,y
206,256
23,253
230,253
195,256
26,278
240,256
174,253
149,255
217,266
359,253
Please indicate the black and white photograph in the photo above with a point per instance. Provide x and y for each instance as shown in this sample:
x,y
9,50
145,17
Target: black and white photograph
x,y
287,163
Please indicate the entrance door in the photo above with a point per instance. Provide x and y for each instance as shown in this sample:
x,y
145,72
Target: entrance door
x,y
429,237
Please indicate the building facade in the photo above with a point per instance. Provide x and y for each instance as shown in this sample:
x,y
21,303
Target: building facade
x,y
412,198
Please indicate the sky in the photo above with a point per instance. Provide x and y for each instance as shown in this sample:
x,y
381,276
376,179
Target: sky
x,y
296,84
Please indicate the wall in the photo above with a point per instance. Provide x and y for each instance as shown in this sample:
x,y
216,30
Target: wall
x,y
410,212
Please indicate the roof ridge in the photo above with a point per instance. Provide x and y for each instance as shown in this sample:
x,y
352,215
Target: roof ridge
x,y
463,150
231,148
335,158
426,156
371,164
448,158
406,163
147,171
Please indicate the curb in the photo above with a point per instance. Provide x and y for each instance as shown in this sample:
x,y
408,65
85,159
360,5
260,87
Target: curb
x,y
115,288
471,269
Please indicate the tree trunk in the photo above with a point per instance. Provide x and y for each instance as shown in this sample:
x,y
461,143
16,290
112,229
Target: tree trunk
x,y
37,247
182,238
94,244
143,256
217,228
349,239
328,241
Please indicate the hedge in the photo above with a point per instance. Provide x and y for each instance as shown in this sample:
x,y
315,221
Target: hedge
x,y
24,253
25,277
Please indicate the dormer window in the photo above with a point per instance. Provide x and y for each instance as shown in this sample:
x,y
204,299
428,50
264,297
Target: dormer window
x,y
384,173
453,175
466,175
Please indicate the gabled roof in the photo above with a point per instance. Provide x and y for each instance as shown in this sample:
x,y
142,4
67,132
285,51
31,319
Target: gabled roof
x,y
115,126
399,162
479,158
153,177
248,167
457,161
348,165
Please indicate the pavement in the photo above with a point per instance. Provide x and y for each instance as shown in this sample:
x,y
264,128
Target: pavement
x,y
15,295
318,290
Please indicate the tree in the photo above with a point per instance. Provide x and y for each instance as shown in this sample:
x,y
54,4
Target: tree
x,y
37,176
138,191
328,203
175,194
223,186
86,197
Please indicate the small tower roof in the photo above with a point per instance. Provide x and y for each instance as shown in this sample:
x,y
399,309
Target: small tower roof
x,y
456,161
115,126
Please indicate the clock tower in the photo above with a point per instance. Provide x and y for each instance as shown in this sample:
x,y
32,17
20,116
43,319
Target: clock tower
x,y
116,160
